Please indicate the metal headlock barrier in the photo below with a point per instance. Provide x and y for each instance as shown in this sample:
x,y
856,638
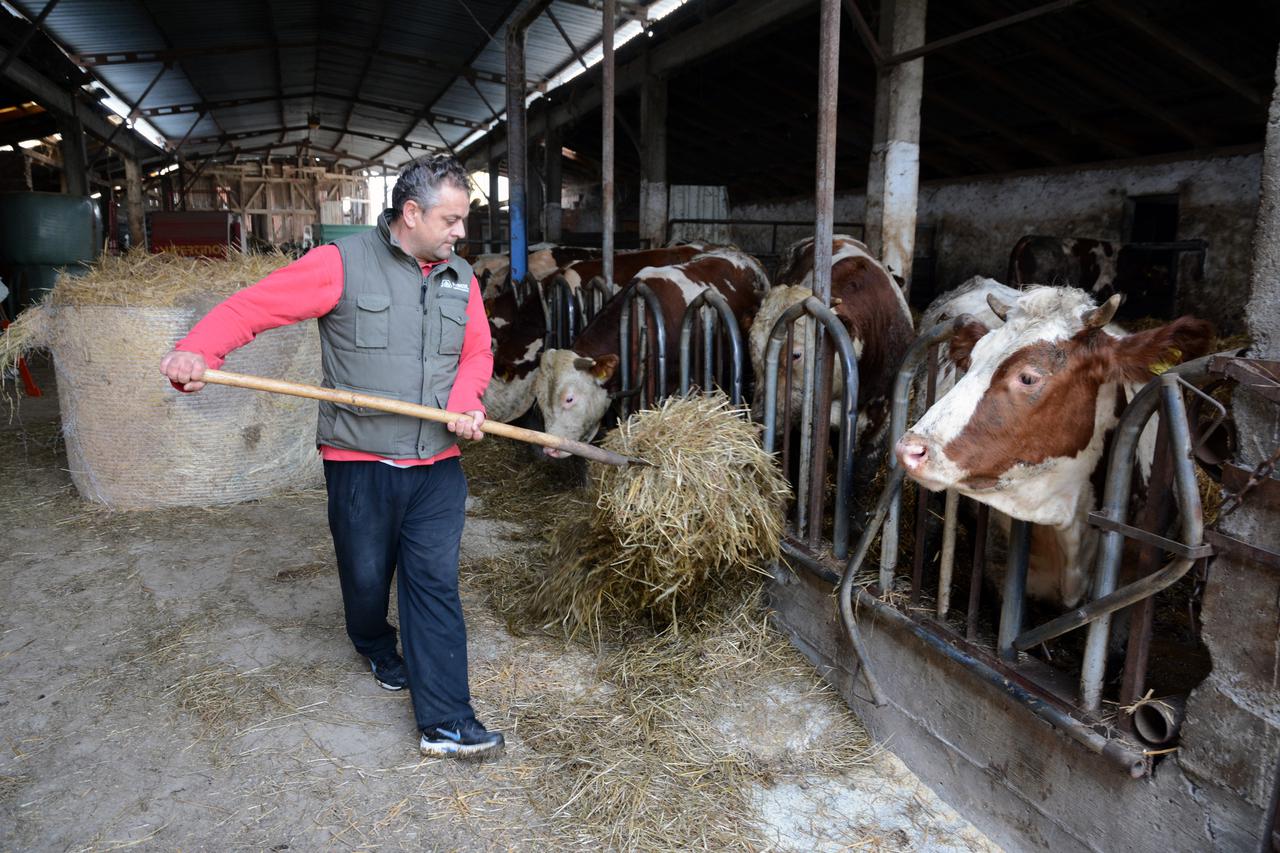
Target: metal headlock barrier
x,y
563,313
1173,475
810,512
644,371
712,348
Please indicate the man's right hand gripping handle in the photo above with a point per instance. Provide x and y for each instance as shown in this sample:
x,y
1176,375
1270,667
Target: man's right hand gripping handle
x,y
184,369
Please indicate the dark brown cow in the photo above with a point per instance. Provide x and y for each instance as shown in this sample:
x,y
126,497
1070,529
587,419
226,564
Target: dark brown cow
x,y
1144,276
871,307
574,387
1023,431
519,329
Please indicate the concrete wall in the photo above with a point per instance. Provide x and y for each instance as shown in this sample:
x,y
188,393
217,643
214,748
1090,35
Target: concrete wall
x,y
975,223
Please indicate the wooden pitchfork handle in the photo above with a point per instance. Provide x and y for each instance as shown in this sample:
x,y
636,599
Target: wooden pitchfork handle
x,y
398,407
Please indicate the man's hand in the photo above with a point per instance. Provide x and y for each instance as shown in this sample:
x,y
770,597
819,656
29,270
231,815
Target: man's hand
x,y
184,369
469,426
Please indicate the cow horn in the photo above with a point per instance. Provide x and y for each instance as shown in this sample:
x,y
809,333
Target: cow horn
x,y
1096,318
997,307
584,363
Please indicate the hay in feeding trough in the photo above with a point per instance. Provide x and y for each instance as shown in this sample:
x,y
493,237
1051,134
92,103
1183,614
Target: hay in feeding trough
x,y
659,539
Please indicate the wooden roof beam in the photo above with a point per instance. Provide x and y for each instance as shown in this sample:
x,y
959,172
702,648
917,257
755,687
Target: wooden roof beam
x,y
1185,52
1106,83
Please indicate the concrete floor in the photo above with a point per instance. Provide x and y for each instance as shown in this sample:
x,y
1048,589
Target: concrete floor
x,y
180,679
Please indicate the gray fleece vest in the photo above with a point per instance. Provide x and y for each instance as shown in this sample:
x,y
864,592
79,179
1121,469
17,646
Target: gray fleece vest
x,y
394,333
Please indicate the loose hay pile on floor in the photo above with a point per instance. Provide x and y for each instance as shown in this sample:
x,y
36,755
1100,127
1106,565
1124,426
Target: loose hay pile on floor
x,y
659,539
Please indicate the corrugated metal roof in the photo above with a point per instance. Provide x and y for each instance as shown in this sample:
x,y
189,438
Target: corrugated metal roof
x,y
377,68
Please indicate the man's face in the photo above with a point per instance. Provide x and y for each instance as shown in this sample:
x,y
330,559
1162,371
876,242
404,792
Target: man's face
x,y
429,233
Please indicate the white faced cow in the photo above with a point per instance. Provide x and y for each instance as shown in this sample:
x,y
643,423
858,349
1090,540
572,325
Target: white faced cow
x,y
1023,430
869,304
574,388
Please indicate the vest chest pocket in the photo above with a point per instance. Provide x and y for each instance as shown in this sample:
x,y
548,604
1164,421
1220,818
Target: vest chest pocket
x,y
453,326
373,320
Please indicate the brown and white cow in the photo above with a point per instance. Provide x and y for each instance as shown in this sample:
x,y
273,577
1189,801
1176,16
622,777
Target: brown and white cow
x,y
627,264
543,260
1023,430
574,388
518,329
872,309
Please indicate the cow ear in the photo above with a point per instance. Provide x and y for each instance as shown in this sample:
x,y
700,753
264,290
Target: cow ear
x,y
962,342
1137,357
605,365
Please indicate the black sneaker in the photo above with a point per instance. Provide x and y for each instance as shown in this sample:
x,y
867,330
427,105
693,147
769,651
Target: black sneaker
x,y
460,739
388,670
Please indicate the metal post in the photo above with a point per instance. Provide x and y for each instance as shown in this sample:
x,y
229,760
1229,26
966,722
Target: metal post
x,y
606,143
74,159
551,170
494,207
1015,589
517,151
824,206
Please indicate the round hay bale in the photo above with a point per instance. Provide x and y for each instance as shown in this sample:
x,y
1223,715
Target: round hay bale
x,y
660,539
133,441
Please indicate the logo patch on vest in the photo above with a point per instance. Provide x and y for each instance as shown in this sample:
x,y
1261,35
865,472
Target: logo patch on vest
x,y
448,282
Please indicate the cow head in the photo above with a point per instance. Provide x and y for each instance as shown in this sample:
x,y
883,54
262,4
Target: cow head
x,y
1024,429
571,394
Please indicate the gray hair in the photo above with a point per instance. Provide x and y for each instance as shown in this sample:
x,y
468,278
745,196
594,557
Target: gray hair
x,y
422,179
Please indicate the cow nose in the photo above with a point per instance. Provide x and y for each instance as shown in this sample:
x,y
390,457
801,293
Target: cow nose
x,y
912,452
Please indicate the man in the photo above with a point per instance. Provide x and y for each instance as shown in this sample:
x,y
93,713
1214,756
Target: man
x,y
400,316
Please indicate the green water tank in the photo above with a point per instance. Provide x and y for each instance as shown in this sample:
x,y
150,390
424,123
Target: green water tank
x,y
49,229
322,233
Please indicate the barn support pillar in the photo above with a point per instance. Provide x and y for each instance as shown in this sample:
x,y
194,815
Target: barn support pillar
x,y
1241,696
893,180
494,207
609,212
133,203
517,135
75,168
551,216
653,161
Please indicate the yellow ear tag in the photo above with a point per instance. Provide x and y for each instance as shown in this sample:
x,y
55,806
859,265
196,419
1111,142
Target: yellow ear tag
x,y
1175,357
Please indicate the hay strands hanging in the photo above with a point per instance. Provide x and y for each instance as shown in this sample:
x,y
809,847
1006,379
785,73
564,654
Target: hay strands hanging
x,y
399,407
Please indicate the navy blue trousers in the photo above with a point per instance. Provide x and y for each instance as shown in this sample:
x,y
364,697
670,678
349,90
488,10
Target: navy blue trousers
x,y
383,517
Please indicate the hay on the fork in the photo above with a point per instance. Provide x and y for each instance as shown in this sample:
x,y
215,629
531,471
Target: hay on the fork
x,y
659,539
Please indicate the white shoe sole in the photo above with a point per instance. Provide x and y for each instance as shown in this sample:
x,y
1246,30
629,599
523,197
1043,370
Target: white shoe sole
x,y
434,749
384,685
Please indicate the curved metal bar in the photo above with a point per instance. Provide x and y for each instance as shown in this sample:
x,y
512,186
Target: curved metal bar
x,y
1116,501
563,317
844,594
714,299
597,285
898,425
643,291
848,412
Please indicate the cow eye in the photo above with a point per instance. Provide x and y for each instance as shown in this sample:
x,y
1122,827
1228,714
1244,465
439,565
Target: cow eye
x,y
568,400
1028,378
795,356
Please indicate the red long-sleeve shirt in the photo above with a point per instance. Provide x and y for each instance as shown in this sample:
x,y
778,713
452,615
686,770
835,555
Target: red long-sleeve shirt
x,y
310,287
